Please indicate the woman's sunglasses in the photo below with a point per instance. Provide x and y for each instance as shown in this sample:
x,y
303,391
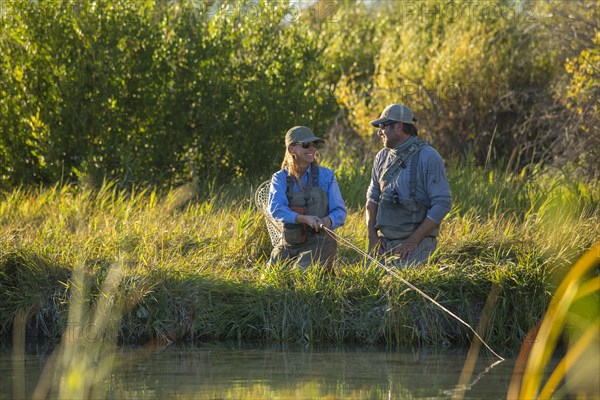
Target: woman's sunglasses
x,y
306,145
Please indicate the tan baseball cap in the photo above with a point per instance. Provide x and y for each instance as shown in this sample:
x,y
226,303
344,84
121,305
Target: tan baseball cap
x,y
301,134
395,112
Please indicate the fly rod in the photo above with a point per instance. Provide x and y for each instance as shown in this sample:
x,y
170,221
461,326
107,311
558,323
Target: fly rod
x,y
394,272
261,199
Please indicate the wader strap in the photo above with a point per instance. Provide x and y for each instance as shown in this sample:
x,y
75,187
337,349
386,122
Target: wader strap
x,y
314,174
289,187
313,181
400,161
412,183
307,190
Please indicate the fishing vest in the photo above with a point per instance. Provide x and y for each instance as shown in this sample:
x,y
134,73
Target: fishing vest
x,y
397,217
311,199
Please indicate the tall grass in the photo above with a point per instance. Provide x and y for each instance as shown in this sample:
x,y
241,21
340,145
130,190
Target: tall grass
x,y
195,266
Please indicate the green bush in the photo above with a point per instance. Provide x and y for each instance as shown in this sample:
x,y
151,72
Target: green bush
x,y
164,93
152,92
484,78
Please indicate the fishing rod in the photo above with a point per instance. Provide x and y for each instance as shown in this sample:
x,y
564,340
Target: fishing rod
x,y
394,273
274,229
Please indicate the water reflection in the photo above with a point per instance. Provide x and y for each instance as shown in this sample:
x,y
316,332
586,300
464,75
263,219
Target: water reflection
x,y
234,371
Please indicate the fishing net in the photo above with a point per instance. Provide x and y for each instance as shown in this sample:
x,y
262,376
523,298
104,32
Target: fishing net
x,y
261,199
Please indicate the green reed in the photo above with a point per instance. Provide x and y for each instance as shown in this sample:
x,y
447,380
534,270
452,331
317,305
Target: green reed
x,y
195,265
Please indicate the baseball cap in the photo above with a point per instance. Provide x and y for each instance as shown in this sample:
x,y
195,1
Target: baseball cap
x,y
301,134
395,112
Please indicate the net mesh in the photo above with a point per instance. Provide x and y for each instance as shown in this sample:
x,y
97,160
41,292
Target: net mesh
x,y
261,199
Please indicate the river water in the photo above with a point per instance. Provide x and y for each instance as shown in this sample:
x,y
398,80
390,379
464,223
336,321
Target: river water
x,y
243,371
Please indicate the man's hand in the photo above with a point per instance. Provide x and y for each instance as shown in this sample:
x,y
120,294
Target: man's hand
x,y
405,248
408,246
375,246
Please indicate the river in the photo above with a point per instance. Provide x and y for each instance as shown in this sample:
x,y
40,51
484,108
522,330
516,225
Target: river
x,y
254,371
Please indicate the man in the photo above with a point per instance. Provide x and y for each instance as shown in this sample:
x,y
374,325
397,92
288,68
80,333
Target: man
x,y
408,196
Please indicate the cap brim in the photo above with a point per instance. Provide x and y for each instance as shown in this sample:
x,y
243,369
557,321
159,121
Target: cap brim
x,y
379,121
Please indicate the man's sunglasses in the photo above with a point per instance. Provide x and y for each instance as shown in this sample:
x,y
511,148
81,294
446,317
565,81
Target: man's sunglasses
x,y
306,145
381,126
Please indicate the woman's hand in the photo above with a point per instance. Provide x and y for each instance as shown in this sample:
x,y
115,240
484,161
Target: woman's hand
x,y
310,220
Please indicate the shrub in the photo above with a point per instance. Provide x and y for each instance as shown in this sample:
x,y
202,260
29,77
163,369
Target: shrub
x,y
152,92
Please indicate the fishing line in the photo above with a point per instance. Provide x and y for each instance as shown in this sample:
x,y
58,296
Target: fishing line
x,y
261,200
394,272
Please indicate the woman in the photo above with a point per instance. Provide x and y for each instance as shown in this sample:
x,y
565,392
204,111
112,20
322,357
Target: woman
x,y
304,197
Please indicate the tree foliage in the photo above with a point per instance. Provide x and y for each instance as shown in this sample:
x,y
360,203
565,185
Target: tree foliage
x,y
151,91
485,78
154,92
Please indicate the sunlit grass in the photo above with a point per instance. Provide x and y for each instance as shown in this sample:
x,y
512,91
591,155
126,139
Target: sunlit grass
x,y
198,263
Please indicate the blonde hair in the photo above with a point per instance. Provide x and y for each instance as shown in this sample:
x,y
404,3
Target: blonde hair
x,y
289,162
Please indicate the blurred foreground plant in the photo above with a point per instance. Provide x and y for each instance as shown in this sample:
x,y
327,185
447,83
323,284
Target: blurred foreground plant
x,y
85,355
575,313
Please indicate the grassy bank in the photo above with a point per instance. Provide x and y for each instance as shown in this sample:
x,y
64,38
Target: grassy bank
x,y
194,267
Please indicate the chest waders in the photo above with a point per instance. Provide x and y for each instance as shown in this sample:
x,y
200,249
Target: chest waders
x,y
397,217
299,241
